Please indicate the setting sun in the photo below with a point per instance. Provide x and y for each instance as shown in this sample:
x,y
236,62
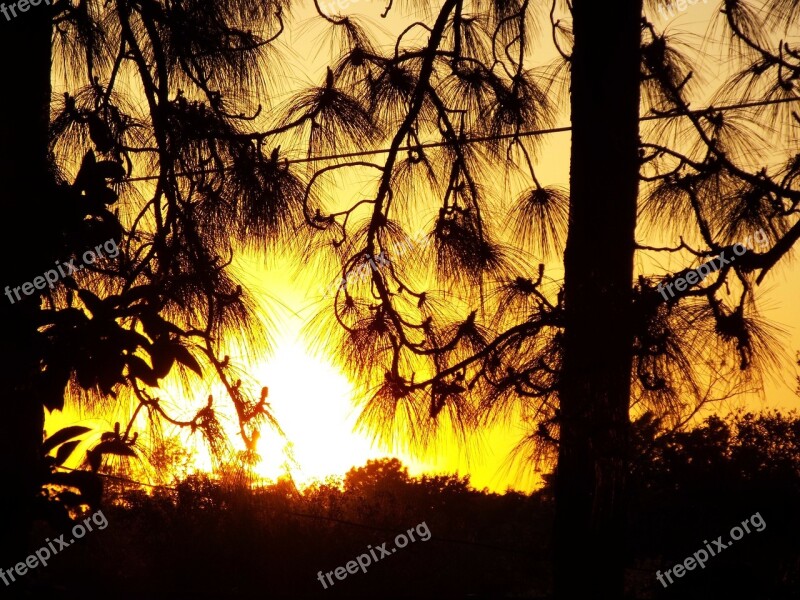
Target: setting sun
x,y
312,401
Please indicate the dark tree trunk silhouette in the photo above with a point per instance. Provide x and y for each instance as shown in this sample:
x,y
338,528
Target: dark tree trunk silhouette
x,y
598,335
28,231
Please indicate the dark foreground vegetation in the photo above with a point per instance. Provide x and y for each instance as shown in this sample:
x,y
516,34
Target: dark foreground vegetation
x,y
217,538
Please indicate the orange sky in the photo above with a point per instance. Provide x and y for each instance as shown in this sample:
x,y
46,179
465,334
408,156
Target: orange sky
x,y
313,399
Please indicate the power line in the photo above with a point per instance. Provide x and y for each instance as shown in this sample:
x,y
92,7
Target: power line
x,y
490,138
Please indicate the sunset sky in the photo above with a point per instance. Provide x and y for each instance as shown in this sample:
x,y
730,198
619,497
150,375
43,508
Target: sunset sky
x,y
315,401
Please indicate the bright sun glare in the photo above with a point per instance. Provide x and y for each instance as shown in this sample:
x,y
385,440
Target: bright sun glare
x,y
312,401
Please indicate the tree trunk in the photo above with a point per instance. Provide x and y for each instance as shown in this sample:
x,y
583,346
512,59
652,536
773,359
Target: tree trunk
x,y
27,233
595,389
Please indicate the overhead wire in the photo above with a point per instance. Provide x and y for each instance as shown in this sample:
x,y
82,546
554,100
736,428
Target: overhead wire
x,y
488,138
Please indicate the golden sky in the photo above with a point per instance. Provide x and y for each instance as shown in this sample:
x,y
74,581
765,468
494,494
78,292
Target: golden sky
x,y
314,400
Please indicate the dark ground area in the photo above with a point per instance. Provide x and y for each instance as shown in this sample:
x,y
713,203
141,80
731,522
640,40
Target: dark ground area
x,y
219,539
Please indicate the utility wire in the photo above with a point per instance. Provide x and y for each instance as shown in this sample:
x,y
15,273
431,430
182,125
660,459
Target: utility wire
x,y
490,138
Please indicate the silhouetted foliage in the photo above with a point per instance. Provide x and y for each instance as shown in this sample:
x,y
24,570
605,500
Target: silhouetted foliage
x,y
155,91
688,486
471,332
468,330
271,540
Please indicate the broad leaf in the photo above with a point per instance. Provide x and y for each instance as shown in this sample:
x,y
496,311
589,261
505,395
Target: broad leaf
x,y
62,435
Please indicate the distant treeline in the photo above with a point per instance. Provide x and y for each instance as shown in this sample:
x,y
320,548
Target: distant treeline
x,y
217,538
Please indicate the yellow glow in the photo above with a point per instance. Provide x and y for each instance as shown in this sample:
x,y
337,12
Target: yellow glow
x,y
312,401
